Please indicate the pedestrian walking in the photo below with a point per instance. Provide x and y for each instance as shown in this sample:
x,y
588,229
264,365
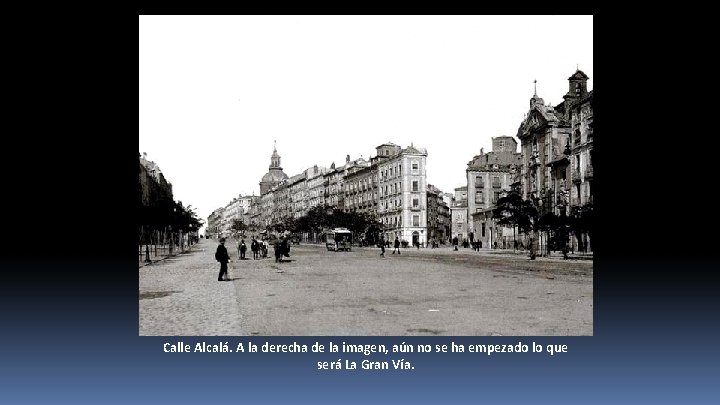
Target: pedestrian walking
x,y
397,245
455,242
254,246
382,246
243,249
221,255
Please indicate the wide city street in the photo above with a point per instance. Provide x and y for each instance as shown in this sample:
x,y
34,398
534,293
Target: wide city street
x,y
422,292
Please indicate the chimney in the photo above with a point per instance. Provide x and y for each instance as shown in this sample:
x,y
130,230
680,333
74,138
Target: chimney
x,y
347,159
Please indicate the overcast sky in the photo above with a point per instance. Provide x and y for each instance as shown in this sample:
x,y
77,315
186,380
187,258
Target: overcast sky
x,y
215,91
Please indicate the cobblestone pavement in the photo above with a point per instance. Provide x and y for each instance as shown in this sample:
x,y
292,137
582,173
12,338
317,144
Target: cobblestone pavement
x,y
359,293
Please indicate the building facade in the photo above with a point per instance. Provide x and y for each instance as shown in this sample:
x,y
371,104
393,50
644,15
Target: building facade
x,y
489,176
402,193
556,145
438,213
459,214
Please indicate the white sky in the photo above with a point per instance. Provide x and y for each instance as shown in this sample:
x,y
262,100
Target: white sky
x,y
215,91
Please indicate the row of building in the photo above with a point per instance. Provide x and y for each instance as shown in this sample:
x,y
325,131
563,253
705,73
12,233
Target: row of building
x,y
391,186
553,168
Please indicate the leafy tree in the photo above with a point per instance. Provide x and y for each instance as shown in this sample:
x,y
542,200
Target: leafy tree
x,y
238,225
512,210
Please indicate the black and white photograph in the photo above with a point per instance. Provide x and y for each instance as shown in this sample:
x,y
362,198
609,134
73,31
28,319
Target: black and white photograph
x,y
420,175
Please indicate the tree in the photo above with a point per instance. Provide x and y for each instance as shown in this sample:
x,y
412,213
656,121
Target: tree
x,y
548,223
508,212
238,225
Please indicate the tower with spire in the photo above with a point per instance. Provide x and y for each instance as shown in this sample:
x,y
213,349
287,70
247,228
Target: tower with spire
x,y
275,175
275,158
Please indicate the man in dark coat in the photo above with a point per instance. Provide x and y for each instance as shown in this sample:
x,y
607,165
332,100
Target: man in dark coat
x,y
396,245
243,249
254,246
280,247
222,256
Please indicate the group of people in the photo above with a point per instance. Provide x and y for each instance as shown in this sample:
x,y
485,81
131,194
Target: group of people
x,y
258,248
396,246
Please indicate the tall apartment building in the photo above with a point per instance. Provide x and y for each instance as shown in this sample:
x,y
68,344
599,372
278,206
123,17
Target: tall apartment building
x,y
489,175
438,214
360,187
315,187
402,192
459,214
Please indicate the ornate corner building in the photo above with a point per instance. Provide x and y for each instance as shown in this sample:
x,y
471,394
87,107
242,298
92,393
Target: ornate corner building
x,y
557,148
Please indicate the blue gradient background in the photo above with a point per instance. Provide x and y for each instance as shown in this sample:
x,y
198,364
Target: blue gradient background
x,y
653,343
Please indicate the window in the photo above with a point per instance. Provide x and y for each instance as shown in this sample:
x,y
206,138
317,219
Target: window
x,y
479,182
496,182
415,167
479,197
416,220
416,203
415,185
496,196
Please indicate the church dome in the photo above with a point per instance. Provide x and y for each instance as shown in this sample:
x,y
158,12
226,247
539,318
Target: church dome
x,y
274,176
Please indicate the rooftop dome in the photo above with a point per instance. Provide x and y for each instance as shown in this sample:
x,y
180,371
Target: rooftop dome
x,y
274,176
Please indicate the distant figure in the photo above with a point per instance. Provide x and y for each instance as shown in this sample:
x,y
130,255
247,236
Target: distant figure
x,y
397,245
455,242
382,246
243,249
254,246
221,255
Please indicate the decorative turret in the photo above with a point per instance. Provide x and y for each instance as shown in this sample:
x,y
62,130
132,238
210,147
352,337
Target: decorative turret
x,y
577,85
